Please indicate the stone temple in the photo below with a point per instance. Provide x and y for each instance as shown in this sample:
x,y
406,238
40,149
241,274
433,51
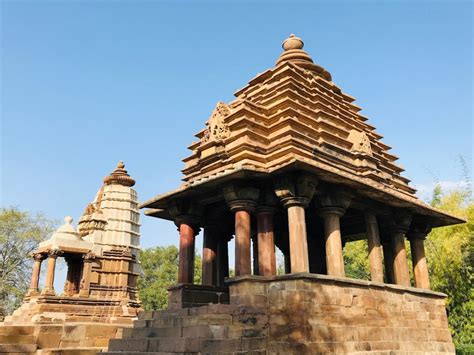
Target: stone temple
x,y
292,164
100,294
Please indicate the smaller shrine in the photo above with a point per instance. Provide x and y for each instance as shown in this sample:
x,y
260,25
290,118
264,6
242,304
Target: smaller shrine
x,y
100,294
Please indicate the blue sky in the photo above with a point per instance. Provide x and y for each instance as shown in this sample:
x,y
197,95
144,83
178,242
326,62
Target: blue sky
x,y
87,83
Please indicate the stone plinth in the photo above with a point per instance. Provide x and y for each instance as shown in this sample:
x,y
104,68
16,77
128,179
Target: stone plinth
x,y
299,314
311,314
189,295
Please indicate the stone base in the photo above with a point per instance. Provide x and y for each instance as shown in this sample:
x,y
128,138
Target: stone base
x,y
188,295
298,314
67,339
56,309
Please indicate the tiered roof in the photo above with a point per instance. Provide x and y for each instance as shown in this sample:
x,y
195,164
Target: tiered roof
x,y
293,114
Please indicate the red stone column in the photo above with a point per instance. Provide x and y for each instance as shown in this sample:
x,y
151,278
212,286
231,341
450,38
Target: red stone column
x,y
332,231
420,267
298,242
49,283
375,249
209,256
242,243
400,264
187,235
35,275
266,243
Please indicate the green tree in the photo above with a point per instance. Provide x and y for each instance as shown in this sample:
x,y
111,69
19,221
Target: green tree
x,y
20,233
159,271
450,255
356,261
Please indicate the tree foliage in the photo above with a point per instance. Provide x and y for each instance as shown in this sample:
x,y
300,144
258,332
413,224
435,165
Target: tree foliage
x,y
159,271
20,233
450,255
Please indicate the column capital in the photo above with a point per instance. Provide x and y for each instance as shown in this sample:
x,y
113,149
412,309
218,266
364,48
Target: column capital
x,y
325,211
399,222
420,228
412,235
38,256
295,189
54,253
333,197
89,257
241,198
185,212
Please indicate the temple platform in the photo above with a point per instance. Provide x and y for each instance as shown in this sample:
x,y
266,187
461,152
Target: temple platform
x,y
298,314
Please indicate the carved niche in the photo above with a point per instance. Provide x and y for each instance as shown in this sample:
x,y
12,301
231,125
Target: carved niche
x,y
216,129
360,142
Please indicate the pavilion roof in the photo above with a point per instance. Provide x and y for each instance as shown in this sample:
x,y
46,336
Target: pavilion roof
x,y
293,114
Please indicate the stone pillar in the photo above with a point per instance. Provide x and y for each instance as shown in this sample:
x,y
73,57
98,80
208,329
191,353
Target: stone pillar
x,y
332,232
388,261
187,233
209,256
86,275
242,201
242,243
420,268
35,275
295,192
287,261
255,255
332,202
266,243
49,283
400,264
375,252
222,261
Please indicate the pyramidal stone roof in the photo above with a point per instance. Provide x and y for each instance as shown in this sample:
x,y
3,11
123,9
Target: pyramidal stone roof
x,y
295,115
293,112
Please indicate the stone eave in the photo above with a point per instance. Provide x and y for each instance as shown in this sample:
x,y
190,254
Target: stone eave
x,y
363,186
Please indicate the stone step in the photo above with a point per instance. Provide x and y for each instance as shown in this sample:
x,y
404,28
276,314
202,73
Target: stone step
x,y
75,351
17,339
17,348
17,330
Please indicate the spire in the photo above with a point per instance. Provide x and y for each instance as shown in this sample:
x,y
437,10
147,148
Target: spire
x,y
293,51
119,176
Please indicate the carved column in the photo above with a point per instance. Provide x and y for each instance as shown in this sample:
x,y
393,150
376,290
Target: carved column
x,y
242,201
35,275
400,225
86,274
49,282
420,267
333,203
266,242
209,256
295,193
375,249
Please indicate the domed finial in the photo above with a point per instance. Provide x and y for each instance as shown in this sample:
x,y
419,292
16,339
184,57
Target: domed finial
x,y
119,176
68,219
292,42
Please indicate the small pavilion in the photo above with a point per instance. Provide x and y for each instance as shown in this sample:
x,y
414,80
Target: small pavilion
x,y
292,164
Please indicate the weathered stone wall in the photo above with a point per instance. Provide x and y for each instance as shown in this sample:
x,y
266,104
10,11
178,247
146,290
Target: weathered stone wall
x,y
311,314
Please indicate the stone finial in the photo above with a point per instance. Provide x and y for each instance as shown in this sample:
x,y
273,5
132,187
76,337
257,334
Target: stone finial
x,y
292,42
293,51
119,176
